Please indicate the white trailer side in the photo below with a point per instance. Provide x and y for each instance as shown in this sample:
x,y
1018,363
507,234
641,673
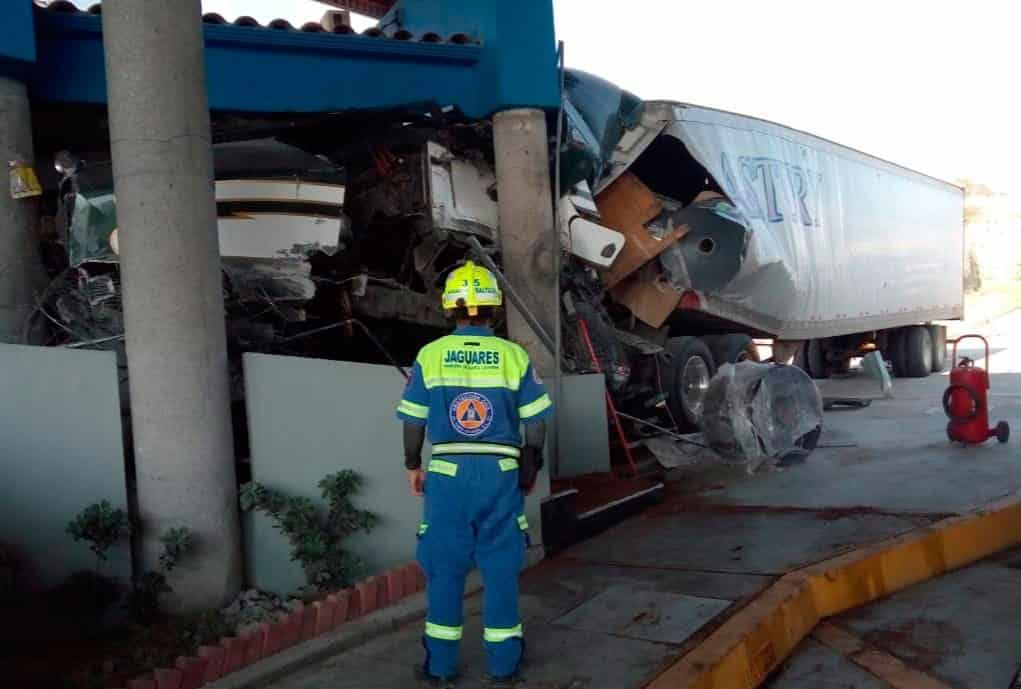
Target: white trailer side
x,y
842,242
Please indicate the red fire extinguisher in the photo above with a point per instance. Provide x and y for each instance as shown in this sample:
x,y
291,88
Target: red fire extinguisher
x,y
966,401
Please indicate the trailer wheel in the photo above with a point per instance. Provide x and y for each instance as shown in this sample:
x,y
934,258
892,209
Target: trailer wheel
x,y
811,359
730,349
938,333
894,351
689,368
916,352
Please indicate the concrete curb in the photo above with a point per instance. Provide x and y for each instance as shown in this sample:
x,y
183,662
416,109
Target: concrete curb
x,y
343,638
752,644
352,611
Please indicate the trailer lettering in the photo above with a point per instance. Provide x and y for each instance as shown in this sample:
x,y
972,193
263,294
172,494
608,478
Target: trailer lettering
x,y
767,188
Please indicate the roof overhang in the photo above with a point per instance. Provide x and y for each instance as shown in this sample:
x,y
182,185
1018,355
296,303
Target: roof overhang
x,y
282,69
370,8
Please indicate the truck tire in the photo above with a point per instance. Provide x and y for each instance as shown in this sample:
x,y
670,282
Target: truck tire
x,y
811,359
689,368
730,349
894,352
915,352
938,333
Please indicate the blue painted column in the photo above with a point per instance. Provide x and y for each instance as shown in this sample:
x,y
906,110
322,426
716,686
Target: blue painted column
x,y
20,269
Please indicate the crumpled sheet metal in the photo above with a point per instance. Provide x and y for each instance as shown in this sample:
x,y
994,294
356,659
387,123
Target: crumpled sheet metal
x,y
758,413
838,238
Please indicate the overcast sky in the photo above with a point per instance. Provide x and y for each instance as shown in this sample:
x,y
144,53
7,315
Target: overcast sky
x,y
931,84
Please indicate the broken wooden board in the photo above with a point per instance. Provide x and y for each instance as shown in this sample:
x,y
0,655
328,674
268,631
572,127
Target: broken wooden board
x,y
650,300
626,206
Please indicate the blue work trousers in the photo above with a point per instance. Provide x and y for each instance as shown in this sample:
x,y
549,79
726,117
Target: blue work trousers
x,y
474,516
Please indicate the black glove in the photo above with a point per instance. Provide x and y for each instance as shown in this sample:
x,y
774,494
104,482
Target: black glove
x,y
528,467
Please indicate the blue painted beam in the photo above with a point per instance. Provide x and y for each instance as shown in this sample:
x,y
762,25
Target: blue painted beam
x,y
519,56
17,42
259,70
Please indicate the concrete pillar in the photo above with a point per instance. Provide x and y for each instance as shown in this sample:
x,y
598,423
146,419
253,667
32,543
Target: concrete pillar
x,y
526,224
20,270
173,306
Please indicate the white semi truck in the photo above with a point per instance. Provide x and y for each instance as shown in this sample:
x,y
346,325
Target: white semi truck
x,y
736,228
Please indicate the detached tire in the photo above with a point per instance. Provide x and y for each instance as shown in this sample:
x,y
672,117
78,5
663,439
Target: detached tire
x,y
802,448
689,368
916,352
938,334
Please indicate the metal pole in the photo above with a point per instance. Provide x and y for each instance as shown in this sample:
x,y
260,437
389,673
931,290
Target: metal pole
x,y
173,303
557,232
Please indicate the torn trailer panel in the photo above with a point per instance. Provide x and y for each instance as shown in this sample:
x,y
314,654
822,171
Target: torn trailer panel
x,y
736,228
795,236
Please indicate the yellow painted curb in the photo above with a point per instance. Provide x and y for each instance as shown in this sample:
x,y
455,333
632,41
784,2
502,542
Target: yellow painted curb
x,y
753,643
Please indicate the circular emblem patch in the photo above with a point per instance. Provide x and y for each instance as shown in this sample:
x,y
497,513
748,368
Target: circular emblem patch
x,y
471,414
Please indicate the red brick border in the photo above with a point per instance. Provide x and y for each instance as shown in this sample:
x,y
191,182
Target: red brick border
x,y
215,657
304,622
167,678
193,670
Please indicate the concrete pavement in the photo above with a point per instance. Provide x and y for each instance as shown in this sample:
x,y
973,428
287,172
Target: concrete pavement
x,y
617,609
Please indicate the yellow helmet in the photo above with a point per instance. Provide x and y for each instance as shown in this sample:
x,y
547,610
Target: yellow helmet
x,y
471,286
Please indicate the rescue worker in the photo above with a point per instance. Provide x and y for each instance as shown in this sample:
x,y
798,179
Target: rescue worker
x,y
473,391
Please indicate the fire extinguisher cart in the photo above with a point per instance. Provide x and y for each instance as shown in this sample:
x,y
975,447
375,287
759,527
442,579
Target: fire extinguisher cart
x,y
966,401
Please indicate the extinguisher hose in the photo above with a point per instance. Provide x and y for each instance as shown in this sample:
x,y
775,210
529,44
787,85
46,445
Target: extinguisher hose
x,y
974,403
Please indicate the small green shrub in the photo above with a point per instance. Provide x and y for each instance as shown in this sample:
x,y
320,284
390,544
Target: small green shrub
x,y
89,593
317,540
102,526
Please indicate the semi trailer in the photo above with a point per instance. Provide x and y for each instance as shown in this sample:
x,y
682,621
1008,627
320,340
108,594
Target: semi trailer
x,y
735,229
